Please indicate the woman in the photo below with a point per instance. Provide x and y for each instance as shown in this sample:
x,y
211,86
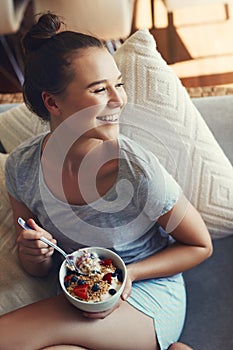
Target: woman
x,y
87,185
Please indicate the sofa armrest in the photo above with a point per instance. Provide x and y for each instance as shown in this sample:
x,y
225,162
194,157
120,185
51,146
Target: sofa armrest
x,y
218,114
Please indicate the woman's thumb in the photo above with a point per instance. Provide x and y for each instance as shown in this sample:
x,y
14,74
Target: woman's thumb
x,y
31,223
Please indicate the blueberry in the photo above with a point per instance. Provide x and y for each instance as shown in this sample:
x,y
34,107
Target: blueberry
x,y
74,278
80,282
119,275
112,291
67,284
95,287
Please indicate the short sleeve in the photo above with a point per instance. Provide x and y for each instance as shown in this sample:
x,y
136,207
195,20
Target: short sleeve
x,y
158,191
11,176
173,191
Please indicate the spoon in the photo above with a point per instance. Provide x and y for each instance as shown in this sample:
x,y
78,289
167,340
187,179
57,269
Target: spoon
x,y
68,258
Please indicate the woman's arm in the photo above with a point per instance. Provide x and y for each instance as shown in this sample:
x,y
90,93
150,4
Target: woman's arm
x,y
35,255
193,244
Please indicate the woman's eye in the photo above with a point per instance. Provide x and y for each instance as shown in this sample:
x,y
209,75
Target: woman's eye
x,y
96,91
104,89
120,84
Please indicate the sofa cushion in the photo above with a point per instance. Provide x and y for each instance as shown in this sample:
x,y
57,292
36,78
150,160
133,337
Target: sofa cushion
x,y
209,286
162,118
17,288
18,124
217,112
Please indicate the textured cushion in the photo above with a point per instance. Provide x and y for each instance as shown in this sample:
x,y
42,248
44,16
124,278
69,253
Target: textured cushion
x,y
162,118
18,124
5,208
17,288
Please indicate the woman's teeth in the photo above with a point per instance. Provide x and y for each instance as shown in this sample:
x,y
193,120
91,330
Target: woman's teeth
x,y
109,118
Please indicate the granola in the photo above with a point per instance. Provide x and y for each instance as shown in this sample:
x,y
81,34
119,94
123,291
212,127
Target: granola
x,y
99,281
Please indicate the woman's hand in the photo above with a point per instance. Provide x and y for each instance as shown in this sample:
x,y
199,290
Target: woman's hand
x,y
128,284
34,254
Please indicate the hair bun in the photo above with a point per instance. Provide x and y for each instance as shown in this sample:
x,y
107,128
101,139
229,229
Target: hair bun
x,y
47,26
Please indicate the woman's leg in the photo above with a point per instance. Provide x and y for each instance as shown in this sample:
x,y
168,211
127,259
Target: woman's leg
x,y
55,321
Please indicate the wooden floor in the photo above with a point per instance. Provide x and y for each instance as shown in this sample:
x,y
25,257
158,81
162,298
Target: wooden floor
x,y
198,45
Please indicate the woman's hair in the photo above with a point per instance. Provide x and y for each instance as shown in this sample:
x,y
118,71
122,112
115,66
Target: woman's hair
x,y
48,63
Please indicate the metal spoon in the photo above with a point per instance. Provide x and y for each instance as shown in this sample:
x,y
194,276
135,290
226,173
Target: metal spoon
x,y
68,258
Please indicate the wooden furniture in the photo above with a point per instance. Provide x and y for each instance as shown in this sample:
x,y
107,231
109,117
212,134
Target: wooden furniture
x,y
11,16
108,20
173,5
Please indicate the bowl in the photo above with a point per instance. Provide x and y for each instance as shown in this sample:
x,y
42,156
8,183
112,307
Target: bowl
x,y
111,300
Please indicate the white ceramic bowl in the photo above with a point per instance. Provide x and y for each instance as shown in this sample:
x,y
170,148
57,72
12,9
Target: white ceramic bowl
x,y
91,306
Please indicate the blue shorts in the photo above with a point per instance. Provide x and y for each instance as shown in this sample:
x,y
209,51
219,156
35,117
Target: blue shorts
x,y
164,300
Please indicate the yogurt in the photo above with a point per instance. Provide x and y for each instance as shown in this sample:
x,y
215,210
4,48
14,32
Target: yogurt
x,y
99,278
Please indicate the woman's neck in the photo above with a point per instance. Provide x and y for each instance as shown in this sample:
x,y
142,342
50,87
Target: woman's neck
x,y
89,170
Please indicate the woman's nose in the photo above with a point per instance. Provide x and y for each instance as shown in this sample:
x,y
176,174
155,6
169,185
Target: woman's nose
x,y
116,98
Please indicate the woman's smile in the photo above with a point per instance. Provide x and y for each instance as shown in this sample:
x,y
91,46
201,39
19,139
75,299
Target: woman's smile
x,y
110,118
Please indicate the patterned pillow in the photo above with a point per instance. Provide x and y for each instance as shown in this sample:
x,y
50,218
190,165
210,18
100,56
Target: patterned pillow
x,y
162,118
18,124
17,288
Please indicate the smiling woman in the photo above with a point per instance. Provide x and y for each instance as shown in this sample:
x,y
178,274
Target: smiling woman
x,y
87,185
87,90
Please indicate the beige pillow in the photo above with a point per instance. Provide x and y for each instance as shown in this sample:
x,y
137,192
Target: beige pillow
x,y
162,118
18,124
17,288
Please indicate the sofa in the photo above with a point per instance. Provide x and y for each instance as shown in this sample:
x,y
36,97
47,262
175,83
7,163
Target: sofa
x,y
209,285
208,112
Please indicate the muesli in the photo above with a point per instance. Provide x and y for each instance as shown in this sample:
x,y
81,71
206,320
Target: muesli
x,y
99,278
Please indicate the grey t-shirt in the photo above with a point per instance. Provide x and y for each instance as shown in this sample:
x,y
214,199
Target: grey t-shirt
x,y
124,219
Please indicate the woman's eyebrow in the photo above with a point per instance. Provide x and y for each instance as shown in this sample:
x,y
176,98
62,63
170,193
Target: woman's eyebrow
x,y
100,82
96,83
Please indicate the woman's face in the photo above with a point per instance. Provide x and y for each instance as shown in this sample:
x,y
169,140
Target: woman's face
x,y
96,93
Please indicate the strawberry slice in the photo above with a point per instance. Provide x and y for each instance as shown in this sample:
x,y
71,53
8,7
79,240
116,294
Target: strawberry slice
x,y
106,262
81,291
108,277
67,278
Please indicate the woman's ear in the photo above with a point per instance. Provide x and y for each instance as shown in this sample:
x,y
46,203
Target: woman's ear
x,y
50,103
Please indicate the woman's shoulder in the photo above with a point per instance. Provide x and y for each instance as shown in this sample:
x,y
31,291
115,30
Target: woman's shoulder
x,y
27,148
25,154
22,167
135,152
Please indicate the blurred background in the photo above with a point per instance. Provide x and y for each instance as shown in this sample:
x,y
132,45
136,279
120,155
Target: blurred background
x,y
193,36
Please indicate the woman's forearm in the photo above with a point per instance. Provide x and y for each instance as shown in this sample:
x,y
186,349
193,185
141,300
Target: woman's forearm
x,y
172,260
193,244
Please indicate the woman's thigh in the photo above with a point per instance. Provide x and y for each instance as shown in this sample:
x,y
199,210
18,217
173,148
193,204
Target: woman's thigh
x,y
55,321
